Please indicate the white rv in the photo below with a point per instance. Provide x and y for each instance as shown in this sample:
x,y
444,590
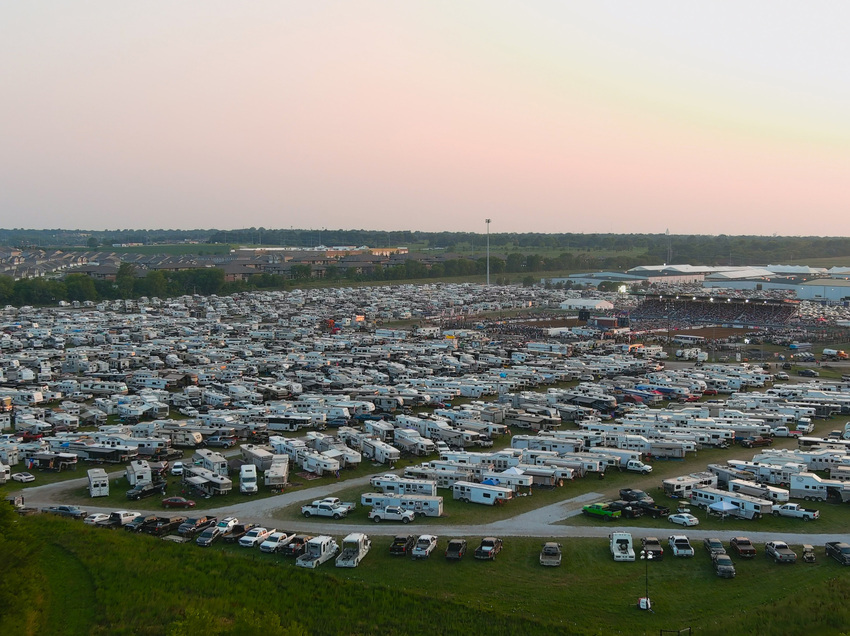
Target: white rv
x,y
422,505
400,485
468,491
745,506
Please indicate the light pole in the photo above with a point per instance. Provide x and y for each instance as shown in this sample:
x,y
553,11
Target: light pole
x,y
644,603
487,221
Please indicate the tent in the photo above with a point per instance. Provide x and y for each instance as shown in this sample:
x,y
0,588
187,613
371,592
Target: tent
x,y
723,507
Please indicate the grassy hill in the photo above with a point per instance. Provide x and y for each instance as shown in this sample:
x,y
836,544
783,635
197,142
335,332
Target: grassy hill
x,y
81,580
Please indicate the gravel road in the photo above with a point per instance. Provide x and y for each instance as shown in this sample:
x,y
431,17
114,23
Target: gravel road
x,y
546,522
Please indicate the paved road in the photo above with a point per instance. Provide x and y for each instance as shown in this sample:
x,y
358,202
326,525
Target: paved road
x,y
545,522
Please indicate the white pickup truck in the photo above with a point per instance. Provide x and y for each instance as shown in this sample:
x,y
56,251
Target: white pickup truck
x,y
795,510
334,501
323,509
391,513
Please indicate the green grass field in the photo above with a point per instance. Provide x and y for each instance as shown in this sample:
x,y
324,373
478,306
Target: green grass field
x,y
102,582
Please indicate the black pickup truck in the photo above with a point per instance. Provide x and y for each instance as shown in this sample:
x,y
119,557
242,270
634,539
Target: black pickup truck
x,y
652,509
402,544
631,494
839,551
140,491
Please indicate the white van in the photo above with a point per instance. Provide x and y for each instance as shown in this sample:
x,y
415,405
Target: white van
x,y
248,479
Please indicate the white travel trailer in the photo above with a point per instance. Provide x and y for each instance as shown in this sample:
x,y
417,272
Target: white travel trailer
x,y
206,481
681,487
98,482
277,475
211,460
138,471
409,440
513,478
403,486
444,477
761,491
380,452
259,457
468,491
812,487
314,462
744,506
422,505
777,474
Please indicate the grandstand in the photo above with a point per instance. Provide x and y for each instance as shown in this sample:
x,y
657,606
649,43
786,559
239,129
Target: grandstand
x,y
679,311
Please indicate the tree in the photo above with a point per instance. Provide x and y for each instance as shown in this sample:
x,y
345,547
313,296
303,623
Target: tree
x,y
515,262
80,287
301,272
7,289
125,280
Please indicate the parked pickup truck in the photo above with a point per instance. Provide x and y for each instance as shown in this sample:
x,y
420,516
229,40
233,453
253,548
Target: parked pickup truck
x,y
680,545
627,509
795,510
391,513
652,546
550,554
488,548
334,501
323,509
652,509
296,547
784,431
780,552
756,440
67,511
425,545
631,494
839,551
237,532
118,519
402,544
743,546
600,510
455,549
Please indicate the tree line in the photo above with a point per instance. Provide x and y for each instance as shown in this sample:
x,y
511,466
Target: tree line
x,y
651,248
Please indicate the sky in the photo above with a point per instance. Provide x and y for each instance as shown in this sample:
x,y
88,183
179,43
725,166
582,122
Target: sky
x,y
713,117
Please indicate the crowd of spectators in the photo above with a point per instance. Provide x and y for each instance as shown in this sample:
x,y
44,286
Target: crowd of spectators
x,y
659,313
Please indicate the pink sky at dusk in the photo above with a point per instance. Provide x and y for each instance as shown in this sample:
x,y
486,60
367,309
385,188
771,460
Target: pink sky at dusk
x,y
543,116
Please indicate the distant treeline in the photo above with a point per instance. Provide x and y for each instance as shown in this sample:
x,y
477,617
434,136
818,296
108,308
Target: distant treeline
x,y
650,249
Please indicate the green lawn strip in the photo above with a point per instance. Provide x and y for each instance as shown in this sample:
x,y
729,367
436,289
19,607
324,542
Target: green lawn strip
x,y
71,596
588,594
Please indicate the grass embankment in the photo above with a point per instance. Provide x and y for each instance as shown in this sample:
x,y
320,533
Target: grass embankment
x,y
144,586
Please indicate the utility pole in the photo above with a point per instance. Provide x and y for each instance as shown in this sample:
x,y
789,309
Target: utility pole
x,y
487,221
